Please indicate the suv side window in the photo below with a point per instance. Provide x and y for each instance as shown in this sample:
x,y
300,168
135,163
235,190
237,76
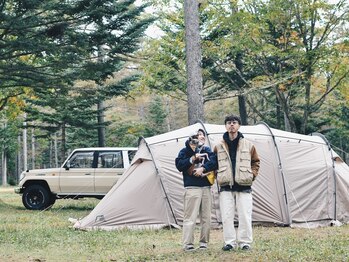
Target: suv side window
x,y
131,155
81,160
110,160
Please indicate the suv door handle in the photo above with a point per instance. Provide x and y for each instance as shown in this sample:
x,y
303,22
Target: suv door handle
x,y
87,174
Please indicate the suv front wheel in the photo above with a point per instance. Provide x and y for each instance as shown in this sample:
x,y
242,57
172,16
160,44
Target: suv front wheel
x,y
36,197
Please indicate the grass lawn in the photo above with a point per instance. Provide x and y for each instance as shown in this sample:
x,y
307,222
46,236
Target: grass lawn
x,y
48,236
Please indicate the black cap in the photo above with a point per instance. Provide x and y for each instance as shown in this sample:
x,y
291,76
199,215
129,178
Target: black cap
x,y
201,130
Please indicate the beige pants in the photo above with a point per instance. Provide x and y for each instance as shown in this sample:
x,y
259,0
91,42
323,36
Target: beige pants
x,y
229,201
197,201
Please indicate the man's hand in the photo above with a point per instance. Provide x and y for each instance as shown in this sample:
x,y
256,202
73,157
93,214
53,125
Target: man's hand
x,y
199,171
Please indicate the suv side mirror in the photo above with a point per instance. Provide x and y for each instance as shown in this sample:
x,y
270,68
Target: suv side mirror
x,y
67,166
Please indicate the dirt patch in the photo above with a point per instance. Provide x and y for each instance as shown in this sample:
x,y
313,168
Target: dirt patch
x,y
6,189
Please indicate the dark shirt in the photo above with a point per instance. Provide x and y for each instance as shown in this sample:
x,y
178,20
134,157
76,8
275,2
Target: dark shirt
x,y
232,145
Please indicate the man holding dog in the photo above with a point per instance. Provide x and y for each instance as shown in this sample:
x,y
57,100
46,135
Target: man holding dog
x,y
194,161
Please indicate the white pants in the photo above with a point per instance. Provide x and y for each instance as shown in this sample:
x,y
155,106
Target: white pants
x,y
243,203
197,201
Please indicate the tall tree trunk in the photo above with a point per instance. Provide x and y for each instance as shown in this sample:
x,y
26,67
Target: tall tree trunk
x,y
56,150
193,62
306,111
101,127
242,110
25,150
100,105
278,116
19,157
168,112
4,166
63,146
281,97
240,82
288,127
33,148
4,160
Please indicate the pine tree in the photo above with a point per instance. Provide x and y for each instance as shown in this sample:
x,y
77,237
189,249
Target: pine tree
x,y
47,45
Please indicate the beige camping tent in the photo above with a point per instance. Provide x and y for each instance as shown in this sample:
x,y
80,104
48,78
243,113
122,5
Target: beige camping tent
x,y
302,182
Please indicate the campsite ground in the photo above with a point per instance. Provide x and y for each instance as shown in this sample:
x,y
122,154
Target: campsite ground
x,y
48,236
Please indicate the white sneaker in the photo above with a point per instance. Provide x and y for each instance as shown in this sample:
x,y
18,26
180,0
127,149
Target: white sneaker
x,y
189,249
245,247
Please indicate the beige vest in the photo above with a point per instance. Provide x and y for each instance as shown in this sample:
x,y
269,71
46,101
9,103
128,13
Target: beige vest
x,y
243,170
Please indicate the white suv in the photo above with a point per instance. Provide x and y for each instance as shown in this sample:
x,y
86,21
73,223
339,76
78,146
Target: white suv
x,y
87,172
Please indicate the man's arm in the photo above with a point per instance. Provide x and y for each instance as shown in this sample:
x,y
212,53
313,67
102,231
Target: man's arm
x,y
255,162
182,161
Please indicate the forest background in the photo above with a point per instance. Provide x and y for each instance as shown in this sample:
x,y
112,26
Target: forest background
x,y
86,73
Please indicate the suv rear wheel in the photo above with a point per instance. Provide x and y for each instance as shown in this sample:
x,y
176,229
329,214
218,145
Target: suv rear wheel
x,y
36,197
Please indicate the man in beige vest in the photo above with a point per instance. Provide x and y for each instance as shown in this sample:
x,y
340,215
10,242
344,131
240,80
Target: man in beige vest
x,y
238,166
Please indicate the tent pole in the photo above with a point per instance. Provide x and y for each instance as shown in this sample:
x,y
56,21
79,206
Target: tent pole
x,y
281,172
204,128
162,185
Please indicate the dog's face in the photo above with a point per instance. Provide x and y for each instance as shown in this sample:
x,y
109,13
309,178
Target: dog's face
x,y
194,140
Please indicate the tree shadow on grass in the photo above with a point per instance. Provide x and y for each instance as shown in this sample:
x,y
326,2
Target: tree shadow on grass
x,y
72,208
6,206
75,204
61,204
55,208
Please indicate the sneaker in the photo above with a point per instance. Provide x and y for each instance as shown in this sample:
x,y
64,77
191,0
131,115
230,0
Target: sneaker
x,y
189,249
245,247
202,247
227,247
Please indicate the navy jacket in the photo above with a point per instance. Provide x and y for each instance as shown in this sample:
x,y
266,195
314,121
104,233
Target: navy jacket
x,y
183,165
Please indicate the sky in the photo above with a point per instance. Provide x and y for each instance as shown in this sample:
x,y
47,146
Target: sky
x,y
153,31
